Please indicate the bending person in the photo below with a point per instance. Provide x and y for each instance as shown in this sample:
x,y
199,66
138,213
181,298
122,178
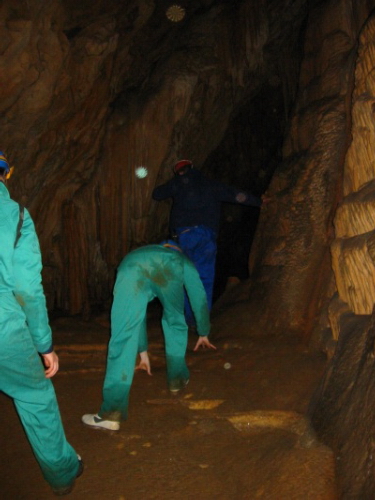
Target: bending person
x,y
161,271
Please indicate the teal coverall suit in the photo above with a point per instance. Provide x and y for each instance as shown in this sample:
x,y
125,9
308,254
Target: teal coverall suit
x,y
25,331
149,272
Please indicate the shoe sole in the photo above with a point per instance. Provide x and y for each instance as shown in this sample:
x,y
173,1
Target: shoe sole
x,y
107,425
101,427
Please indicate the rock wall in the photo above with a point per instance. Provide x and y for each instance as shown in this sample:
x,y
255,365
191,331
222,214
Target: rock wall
x,y
353,256
342,408
313,255
292,277
91,90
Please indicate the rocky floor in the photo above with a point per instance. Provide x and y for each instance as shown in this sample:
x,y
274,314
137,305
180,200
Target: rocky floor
x,y
238,431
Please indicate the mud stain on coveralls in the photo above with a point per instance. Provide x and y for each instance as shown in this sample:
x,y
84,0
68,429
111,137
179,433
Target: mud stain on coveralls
x,y
20,300
124,377
140,285
159,276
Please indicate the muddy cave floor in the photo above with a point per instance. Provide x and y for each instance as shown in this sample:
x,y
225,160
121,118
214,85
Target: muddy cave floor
x,y
238,431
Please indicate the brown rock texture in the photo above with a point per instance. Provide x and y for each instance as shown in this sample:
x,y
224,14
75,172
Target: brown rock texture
x,y
313,260
353,248
291,263
342,409
92,90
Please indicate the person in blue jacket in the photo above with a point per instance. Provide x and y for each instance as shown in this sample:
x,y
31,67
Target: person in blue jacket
x,y
161,271
195,218
27,358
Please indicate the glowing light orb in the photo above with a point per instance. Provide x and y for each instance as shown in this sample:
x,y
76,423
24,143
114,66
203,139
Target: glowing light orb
x,y
175,13
141,172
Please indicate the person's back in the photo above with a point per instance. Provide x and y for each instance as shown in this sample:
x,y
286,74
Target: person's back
x,y
165,274
20,270
197,200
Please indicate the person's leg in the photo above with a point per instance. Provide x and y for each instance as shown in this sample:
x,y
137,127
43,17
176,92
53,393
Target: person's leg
x,y
128,326
22,377
199,244
205,258
176,334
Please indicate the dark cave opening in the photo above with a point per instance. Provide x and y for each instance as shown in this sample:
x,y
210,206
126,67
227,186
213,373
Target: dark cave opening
x,y
246,159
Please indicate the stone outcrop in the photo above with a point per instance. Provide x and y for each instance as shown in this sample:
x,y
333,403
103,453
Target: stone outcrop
x,y
353,256
313,256
342,410
291,263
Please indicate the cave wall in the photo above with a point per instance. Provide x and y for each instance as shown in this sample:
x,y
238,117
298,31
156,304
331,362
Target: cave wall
x,y
353,254
342,408
89,93
312,261
292,278
91,90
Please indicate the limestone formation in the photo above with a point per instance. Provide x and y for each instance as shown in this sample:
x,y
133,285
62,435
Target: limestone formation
x,y
353,248
342,410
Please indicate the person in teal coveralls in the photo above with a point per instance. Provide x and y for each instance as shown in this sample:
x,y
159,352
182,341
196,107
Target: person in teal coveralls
x,y
26,340
161,271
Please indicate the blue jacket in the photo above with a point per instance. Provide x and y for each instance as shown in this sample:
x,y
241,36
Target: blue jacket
x,y
197,199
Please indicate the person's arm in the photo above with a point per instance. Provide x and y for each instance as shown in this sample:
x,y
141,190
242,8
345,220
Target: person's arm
x,y
230,194
51,363
198,301
203,342
164,191
144,363
27,267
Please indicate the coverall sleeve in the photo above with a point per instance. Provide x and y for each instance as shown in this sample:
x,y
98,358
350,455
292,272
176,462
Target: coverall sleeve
x,y
143,341
197,297
164,191
27,267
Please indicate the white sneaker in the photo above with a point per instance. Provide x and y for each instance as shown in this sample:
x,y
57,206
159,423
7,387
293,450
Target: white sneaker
x,y
99,423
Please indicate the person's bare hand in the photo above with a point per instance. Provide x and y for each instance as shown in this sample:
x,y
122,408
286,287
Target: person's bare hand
x,y
204,343
144,363
51,363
